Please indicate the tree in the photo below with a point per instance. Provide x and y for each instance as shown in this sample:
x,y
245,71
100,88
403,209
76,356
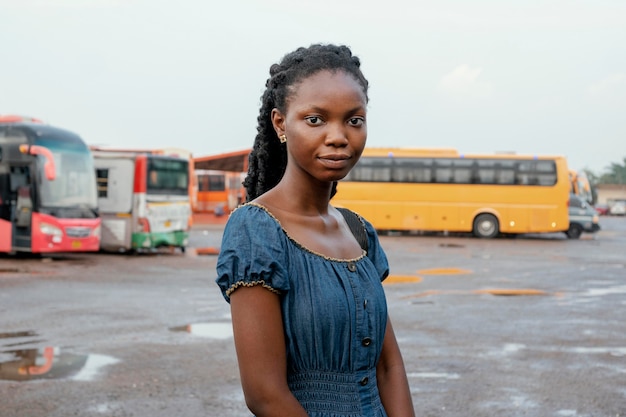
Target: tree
x,y
615,174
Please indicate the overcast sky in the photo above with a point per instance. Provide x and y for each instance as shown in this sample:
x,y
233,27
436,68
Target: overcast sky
x,y
481,76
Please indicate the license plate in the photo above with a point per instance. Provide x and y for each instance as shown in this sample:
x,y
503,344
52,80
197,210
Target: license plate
x,y
77,244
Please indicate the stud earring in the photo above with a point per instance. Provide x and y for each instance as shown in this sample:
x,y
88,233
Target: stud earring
x,y
282,138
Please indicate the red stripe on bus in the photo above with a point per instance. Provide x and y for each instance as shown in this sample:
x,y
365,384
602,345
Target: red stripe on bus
x,y
141,169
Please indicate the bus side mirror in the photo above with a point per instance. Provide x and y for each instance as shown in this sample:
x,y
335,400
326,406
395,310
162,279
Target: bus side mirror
x,y
49,167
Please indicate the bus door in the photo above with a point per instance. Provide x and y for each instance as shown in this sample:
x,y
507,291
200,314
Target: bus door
x,y
115,201
6,224
21,207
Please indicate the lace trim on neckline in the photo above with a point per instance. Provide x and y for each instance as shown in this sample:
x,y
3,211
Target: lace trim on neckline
x,y
300,245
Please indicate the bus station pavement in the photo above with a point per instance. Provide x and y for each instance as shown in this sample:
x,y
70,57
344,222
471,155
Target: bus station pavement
x,y
526,326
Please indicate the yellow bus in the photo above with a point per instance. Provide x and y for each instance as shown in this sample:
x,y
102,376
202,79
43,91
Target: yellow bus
x,y
581,186
442,190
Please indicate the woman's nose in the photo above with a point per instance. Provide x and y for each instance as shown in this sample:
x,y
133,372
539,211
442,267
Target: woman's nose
x,y
336,136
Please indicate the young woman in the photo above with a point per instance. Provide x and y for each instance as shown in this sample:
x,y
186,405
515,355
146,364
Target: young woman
x,y
309,314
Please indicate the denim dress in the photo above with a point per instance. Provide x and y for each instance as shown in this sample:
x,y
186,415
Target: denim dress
x,y
334,310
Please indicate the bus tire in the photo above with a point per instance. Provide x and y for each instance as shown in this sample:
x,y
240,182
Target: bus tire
x,y
574,231
486,226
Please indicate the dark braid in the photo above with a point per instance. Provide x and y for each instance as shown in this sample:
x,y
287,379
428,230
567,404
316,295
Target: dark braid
x,y
268,159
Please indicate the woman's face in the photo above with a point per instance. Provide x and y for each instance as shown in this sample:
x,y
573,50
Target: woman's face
x,y
325,125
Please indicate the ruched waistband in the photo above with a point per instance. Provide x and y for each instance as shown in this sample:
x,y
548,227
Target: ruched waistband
x,y
352,394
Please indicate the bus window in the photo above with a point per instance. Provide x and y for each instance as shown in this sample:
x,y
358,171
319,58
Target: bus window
x,y
168,176
409,170
102,178
462,173
486,172
443,171
505,172
546,172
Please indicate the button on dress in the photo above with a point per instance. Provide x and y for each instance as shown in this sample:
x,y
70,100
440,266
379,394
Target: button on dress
x,y
334,310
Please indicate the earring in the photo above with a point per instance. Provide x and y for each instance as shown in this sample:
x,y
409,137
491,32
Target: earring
x,y
282,138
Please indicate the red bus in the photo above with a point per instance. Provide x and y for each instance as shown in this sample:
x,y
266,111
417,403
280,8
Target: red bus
x,y
48,197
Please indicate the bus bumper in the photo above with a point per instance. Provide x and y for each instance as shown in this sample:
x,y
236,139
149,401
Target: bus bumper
x,y
51,234
178,238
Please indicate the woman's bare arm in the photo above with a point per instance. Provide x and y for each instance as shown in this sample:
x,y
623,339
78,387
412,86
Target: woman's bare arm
x,y
260,346
392,381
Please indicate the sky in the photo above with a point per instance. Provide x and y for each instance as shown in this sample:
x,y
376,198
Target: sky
x,y
482,76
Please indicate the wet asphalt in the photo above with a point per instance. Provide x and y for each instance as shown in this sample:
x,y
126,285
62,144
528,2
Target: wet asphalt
x,y
526,326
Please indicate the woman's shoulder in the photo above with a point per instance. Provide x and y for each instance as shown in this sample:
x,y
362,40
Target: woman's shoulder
x,y
251,213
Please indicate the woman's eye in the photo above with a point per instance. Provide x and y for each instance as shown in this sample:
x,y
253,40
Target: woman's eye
x,y
356,121
314,120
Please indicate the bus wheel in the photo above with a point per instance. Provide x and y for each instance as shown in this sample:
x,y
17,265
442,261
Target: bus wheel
x,y
485,226
574,231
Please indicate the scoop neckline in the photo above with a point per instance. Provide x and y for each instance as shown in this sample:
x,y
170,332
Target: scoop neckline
x,y
300,245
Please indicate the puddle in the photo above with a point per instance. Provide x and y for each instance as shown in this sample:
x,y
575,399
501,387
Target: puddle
x,y
402,279
451,245
50,363
210,330
444,271
599,292
11,335
507,292
437,375
492,291
208,251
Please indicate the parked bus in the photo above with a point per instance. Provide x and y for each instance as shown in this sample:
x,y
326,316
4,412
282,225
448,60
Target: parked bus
x,y
219,192
581,186
442,190
143,200
48,199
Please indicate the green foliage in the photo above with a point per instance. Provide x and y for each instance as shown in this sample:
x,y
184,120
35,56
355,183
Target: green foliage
x,y
615,174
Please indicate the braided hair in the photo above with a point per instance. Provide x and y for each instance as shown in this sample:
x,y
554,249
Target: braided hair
x,y
268,158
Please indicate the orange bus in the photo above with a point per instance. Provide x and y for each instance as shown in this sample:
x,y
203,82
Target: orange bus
x,y
219,192
443,190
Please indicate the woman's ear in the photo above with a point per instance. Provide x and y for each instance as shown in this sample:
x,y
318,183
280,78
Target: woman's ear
x,y
278,121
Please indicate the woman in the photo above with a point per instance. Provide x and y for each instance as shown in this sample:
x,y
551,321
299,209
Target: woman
x,y
309,314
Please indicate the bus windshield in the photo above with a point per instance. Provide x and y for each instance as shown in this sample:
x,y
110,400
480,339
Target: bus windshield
x,y
168,176
74,186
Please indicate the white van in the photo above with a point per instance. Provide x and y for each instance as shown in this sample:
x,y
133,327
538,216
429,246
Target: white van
x,y
582,218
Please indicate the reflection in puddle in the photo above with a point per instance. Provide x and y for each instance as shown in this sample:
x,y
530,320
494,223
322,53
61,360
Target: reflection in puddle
x,y
436,375
599,292
211,330
402,279
15,335
92,367
444,271
50,363
510,291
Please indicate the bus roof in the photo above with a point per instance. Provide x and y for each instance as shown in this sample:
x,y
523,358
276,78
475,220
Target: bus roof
x,y
445,153
41,130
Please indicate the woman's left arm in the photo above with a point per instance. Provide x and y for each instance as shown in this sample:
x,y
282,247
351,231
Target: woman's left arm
x,y
392,381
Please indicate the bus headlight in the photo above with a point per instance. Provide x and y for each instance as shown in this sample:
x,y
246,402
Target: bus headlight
x,y
53,231
97,232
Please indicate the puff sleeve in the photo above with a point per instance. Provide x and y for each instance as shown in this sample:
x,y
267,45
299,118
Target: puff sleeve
x,y
252,252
